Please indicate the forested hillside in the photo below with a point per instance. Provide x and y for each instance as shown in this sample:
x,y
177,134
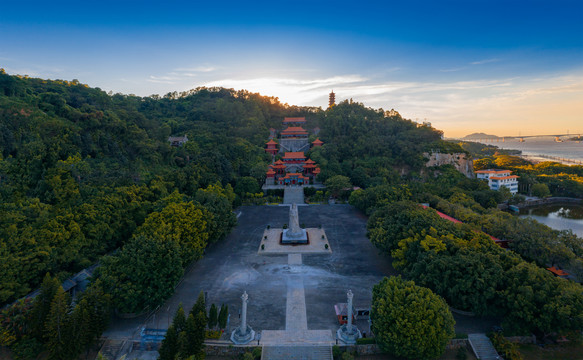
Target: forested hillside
x,y
81,170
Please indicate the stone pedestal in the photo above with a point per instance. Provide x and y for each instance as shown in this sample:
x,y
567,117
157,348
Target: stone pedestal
x,y
301,238
240,337
348,336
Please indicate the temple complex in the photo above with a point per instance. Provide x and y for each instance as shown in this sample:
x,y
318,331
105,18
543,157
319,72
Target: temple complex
x,y
293,168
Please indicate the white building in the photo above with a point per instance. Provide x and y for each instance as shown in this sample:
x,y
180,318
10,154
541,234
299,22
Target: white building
x,y
498,178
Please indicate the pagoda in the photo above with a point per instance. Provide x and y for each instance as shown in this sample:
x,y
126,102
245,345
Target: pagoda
x,y
317,143
331,99
271,147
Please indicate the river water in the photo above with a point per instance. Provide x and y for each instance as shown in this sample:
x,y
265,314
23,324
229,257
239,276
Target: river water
x,y
544,146
557,216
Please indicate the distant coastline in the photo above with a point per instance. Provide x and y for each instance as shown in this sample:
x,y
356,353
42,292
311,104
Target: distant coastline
x,y
536,159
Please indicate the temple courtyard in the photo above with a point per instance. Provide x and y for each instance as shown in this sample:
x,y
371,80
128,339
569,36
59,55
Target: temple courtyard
x,y
304,285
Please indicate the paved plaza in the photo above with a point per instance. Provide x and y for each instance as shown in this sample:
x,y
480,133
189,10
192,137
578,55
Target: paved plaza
x,y
294,292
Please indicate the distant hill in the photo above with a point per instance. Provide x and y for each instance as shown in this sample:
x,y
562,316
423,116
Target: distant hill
x,y
479,136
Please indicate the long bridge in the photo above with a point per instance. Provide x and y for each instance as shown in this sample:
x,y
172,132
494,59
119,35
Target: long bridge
x,y
521,138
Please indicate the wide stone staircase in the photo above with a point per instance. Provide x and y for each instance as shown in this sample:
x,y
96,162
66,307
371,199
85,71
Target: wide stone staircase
x,y
482,347
297,352
293,195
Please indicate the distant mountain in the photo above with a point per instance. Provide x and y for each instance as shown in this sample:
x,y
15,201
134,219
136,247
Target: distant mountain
x,y
480,136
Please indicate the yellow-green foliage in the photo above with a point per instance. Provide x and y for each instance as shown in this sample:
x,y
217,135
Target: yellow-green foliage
x,y
183,223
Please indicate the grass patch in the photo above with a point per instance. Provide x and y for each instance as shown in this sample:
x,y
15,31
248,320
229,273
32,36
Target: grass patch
x,y
552,352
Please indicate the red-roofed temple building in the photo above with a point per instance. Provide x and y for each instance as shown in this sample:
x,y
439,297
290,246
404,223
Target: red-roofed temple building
x,y
271,147
293,168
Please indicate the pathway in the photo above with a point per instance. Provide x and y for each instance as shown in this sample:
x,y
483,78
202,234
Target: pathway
x,y
293,194
296,341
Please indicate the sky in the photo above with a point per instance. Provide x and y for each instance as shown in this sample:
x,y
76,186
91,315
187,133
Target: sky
x,y
503,67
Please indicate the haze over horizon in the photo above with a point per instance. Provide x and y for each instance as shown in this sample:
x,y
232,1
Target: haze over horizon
x,y
496,67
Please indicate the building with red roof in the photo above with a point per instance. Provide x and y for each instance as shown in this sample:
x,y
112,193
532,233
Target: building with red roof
x,y
294,120
317,142
498,179
558,272
294,132
293,168
272,147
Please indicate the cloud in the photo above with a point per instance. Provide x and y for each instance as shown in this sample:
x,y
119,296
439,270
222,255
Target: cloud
x,y
162,79
453,69
203,69
291,90
485,61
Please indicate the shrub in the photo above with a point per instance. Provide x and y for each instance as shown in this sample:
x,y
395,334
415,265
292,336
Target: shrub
x,y
257,353
262,246
347,356
213,334
248,356
507,349
326,246
461,353
366,341
336,351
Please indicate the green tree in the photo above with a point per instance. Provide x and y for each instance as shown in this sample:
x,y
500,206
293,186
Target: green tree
x,y
223,316
97,306
199,306
216,200
213,316
409,320
195,330
540,190
79,330
57,335
182,223
41,306
179,320
142,274
169,346
370,199
338,185
246,184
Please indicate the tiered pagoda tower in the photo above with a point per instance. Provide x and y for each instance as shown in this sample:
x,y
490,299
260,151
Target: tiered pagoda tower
x,y
272,148
332,99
